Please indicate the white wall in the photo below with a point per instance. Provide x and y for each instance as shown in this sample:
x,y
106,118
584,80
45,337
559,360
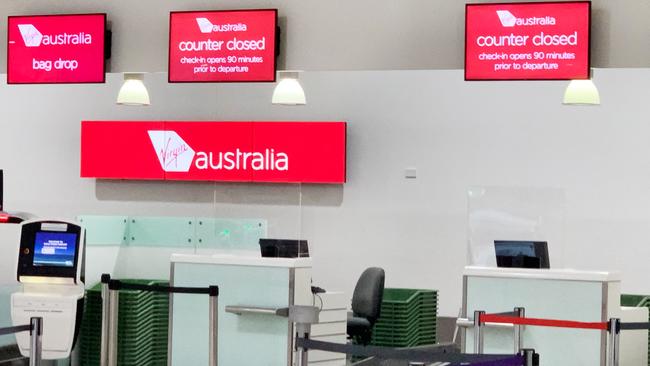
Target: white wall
x,y
457,134
342,34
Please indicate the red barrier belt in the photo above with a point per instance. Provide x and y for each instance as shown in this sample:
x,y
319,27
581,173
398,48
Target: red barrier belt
x,y
542,322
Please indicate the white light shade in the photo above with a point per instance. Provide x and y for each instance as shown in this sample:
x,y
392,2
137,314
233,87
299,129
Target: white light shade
x,y
133,91
581,92
288,91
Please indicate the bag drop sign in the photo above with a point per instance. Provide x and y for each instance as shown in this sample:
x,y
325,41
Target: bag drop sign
x,y
527,41
276,152
222,46
56,49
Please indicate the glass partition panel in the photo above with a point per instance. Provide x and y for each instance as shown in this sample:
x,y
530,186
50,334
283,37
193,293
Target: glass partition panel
x,y
139,247
514,214
260,211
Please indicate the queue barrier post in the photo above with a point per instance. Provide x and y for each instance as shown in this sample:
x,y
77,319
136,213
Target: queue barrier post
x,y
518,330
113,314
478,332
213,357
110,315
613,342
103,352
303,317
530,357
36,342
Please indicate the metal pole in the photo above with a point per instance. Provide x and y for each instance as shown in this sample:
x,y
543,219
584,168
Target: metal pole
x,y
529,356
213,336
518,330
617,342
103,352
113,310
302,331
35,349
613,343
478,332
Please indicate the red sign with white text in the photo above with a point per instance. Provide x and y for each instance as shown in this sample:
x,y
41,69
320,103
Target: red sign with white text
x,y
527,41
222,46
278,152
56,49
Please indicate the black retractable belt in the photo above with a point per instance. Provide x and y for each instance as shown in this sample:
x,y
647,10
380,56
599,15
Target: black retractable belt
x,y
17,329
634,326
437,354
119,285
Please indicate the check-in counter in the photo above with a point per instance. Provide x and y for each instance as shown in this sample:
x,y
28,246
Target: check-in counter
x,y
553,294
251,289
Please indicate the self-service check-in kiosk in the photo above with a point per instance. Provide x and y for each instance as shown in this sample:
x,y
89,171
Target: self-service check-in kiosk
x,y
51,271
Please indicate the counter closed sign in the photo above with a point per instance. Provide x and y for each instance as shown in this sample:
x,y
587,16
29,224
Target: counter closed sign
x,y
528,41
222,46
279,152
56,49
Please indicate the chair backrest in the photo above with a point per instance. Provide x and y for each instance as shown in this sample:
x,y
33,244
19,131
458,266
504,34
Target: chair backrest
x,y
368,294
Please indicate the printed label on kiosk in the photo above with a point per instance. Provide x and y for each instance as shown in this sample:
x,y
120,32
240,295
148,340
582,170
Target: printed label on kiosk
x,y
51,270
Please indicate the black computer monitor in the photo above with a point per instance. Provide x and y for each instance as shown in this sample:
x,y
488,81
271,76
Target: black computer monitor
x,y
521,254
284,248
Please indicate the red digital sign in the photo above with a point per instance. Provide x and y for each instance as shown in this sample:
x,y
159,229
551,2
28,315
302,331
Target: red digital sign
x,y
277,152
527,41
56,49
222,46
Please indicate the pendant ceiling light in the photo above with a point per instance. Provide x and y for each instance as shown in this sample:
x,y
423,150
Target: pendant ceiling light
x,y
133,91
288,90
581,92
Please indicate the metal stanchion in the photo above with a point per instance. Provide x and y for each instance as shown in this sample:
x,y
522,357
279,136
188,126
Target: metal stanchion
x,y
303,317
613,342
529,356
214,326
478,332
103,352
518,330
113,313
110,315
35,350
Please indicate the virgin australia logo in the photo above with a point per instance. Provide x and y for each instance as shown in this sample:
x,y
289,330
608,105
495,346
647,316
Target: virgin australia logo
x,y
173,153
31,36
507,19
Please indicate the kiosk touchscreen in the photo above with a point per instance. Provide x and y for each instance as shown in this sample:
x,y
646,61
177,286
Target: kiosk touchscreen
x,y
51,271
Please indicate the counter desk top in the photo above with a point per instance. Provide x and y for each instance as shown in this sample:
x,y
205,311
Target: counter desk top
x,y
549,274
241,260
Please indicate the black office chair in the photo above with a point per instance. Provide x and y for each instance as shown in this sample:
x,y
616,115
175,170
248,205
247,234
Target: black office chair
x,y
366,304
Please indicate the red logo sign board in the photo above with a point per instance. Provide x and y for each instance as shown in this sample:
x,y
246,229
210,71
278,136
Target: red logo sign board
x,y
527,41
278,152
222,46
56,49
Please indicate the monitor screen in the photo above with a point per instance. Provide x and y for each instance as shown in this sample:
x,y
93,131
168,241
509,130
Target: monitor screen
x,y
46,49
54,249
527,41
223,46
284,248
521,254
